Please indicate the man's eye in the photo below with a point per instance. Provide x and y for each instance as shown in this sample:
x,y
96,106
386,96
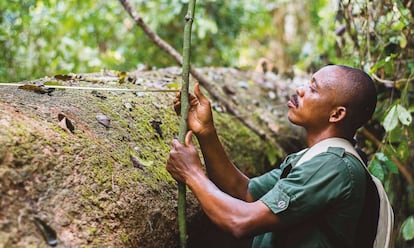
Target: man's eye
x,y
312,89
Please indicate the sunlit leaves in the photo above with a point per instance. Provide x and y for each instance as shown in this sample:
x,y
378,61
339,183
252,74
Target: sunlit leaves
x,y
48,37
396,114
205,26
391,119
387,63
403,115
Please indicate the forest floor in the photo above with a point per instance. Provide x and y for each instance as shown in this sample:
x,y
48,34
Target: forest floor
x,y
86,168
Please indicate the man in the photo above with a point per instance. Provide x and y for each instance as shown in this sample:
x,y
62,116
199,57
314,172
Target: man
x,y
317,203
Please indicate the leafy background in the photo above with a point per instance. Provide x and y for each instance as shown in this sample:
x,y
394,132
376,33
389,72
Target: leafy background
x,y
41,38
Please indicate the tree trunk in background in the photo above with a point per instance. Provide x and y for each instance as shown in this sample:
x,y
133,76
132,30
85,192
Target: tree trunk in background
x,y
290,24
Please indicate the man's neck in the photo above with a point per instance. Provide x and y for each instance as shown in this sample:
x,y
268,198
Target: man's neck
x,y
314,137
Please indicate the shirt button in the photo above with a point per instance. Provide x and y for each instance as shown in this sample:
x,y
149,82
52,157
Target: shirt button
x,y
281,204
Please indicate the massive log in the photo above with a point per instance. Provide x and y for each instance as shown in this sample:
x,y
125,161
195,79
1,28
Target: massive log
x,y
86,168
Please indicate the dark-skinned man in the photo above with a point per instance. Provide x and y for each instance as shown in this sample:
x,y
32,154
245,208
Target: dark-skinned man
x,y
317,203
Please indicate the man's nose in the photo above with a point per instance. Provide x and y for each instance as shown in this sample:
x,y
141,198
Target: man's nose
x,y
300,91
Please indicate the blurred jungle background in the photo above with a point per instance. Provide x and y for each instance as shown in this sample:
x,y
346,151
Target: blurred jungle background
x,y
39,38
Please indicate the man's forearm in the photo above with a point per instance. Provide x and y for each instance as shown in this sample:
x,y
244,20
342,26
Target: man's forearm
x,y
220,169
236,216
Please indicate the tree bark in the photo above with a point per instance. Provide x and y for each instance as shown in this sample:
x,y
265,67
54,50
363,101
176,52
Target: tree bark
x,y
90,164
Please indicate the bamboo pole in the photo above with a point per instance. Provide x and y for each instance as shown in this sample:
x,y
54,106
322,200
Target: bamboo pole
x,y
189,17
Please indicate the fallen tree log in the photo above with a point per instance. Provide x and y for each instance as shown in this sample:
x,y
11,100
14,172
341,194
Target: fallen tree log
x,y
87,167
210,85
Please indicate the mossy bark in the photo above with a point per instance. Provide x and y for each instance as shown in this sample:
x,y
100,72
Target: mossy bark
x,y
101,186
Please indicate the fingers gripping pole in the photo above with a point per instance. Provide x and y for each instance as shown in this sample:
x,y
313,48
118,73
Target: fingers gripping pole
x,y
184,116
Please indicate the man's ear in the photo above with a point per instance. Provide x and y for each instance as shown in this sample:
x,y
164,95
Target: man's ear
x,y
338,114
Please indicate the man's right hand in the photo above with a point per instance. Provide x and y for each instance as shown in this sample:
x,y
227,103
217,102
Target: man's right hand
x,y
200,117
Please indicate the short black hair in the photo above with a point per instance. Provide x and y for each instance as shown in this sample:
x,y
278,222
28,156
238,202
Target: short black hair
x,y
359,96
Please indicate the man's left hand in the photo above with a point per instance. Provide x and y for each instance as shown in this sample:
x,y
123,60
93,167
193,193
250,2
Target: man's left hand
x,y
184,161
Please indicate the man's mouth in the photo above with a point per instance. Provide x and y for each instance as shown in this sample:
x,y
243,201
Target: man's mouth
x,y
293,101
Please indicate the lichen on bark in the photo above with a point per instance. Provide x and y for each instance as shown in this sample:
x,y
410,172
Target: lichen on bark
x,y
85,185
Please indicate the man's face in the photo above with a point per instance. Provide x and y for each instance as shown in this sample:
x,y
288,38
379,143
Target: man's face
x,y
313,103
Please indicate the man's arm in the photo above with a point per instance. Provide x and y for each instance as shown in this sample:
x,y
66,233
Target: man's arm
x,y
219,167
236,216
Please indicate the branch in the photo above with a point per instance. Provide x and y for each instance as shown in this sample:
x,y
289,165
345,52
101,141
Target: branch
x,y
232,108
151,34
401,167
385,81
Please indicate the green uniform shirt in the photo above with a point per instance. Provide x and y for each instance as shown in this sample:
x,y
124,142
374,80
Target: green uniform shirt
x,y
317,200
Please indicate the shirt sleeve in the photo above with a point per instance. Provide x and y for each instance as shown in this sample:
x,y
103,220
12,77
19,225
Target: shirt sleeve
x,y
259,186
308,188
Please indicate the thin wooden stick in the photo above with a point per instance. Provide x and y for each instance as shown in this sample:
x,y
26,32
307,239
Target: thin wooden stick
x,y
189,17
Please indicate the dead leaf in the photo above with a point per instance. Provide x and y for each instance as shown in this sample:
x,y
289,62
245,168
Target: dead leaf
x,y
63,77
98,94
103,119
156,124
228,90
136,162
65,123
37,88
47,232
122,77
128,106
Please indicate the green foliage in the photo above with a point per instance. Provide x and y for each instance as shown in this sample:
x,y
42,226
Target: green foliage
x,y
397,114
52,37
43,37
381,165
320,45
407,228
376,169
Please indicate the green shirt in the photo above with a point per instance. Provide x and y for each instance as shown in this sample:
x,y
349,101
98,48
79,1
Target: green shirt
x,y
323,194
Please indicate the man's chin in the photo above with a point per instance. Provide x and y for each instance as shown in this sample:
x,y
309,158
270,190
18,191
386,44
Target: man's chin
x,y
292,119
